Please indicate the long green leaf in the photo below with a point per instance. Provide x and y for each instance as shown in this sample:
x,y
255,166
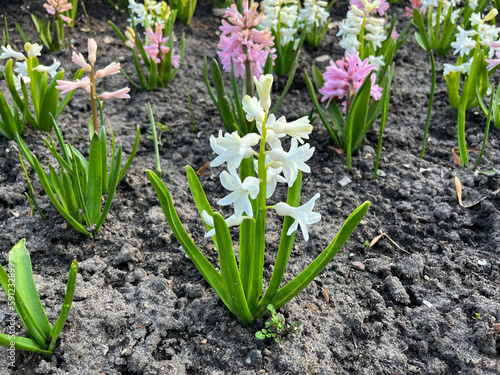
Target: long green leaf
x,y
68,300
23,343
285,247
132,154
202,264
94,189
295,286
229,271
25,285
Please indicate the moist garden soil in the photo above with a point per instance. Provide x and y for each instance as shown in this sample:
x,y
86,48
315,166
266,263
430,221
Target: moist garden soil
x,y
427,303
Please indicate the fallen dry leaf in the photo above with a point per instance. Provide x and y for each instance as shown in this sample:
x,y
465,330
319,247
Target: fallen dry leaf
x,y
458,188
205,166
339,151
314,309
325,295
456,156
376,239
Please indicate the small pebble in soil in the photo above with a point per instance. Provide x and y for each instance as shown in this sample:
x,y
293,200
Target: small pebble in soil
x,y
253,357
345,181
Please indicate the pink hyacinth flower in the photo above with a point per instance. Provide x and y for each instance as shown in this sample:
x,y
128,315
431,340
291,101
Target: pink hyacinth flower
x,y
68,86
56,7
240,34
109,70
344,78
118,94
381,9
492,63
415,4
156,49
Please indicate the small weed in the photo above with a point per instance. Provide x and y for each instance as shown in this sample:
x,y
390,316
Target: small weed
x,y
276,327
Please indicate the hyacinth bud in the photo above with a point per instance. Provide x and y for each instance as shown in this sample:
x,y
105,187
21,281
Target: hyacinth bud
x,y
492,14
264,85
92,47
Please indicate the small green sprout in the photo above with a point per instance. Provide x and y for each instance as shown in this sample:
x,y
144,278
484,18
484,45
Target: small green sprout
x,y
163,129
276,327
477,316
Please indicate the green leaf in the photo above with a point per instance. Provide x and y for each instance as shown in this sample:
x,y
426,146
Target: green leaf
x,y
115,169
94,190
25,286
68,300
322,116
285,247
202,264
255,285
46,186
462,144
23,343
295,286
385,107
132,154
356,119
229,271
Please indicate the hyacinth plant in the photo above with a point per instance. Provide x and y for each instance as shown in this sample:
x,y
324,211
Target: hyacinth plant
x,y
314,18
26,75
240,284
19,285
476,48
77,191
351,81
436,22
281,18
366,31
185,10
63,14
155,60
245,51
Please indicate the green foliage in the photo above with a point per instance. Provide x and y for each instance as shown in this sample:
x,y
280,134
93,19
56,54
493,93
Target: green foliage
x,y
240,286
44,98
52,36
276,327
20,288
228,102
150,74
185,9
348,131
77,190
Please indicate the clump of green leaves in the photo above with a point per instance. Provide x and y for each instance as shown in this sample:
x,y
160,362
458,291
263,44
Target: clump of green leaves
x,y
21,292
276,327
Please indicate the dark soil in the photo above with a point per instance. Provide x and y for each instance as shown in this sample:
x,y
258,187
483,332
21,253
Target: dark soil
x,y
428,306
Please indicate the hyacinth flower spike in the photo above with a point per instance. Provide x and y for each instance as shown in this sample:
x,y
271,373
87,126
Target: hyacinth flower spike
x,y
239,284
352,82
78,189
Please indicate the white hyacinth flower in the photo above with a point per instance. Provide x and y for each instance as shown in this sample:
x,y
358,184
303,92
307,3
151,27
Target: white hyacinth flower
x,y
350,43
272,178
464,43
426,4
314,14
292,161
241,192
51,69
303,215
21,68
33,49
231,221
232,149
298,129
463,68
9,53
377,60
284,13
18,79
253,109
264,85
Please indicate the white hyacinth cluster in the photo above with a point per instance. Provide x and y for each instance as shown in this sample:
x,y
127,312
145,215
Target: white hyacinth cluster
x,y
21,65
482,32
149,14
375,33
282,15
276,164
313,14
433,5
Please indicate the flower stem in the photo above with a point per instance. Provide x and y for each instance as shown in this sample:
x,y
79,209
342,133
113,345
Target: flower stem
x,y
93,99
249,89
429,109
